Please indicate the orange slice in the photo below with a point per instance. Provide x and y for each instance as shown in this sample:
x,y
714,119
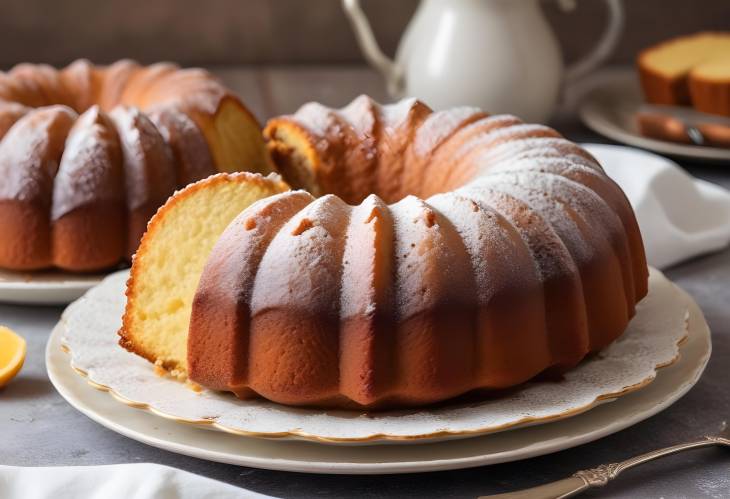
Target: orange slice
x,y
12,354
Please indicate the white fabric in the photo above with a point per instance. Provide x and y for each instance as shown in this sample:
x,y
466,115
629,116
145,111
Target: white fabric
x,y
679,216
119,481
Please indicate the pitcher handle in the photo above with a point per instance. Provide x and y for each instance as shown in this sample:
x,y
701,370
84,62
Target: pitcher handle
x,y
605,45
391,71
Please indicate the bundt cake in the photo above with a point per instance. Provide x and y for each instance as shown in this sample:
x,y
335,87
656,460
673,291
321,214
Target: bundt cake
x,y
435,254
171,257
76,192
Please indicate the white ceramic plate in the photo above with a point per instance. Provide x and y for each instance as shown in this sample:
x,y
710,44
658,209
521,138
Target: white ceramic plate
x,y
651,341
45,288
671,383
609,110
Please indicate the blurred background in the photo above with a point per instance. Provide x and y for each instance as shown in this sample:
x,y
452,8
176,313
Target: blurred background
x,y
234,32
291,37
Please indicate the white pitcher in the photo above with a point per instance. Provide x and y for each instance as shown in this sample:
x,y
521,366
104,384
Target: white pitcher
x,y
499,55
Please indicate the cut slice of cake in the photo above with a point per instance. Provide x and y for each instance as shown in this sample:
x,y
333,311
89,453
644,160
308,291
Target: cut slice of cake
x,y
664,68
709,86
169,261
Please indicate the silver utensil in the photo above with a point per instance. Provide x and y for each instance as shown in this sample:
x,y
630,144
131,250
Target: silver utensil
x,y
700,128
601,475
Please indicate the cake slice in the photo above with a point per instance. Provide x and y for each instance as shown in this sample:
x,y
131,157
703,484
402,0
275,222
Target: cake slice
x,y
169,261
709,85
664,68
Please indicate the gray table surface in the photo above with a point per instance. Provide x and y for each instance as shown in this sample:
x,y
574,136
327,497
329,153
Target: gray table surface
x,y
38,427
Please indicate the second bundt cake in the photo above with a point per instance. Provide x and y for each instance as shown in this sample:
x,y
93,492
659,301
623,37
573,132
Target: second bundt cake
x,y
88,154
447,252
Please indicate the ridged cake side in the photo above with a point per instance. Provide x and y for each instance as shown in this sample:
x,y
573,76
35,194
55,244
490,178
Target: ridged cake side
x,y
29,159
88,206
515,255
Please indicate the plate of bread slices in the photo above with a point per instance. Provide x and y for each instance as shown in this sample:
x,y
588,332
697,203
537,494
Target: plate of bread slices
x,y
677,102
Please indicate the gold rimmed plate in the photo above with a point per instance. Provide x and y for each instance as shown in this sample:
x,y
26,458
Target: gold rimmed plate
x,y
88,333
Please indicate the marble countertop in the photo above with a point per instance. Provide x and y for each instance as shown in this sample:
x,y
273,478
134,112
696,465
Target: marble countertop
x,y
38,428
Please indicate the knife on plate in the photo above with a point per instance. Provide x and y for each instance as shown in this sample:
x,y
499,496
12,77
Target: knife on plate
x,y
683,124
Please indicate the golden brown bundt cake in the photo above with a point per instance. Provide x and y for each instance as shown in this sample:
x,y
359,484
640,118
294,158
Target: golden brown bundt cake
x,y
447,252
77,192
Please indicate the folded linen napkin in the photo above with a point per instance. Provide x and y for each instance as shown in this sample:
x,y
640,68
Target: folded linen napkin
x,y
118,481
679,216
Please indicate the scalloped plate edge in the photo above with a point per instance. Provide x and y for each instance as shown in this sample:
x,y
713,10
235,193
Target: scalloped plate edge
x,y
379,437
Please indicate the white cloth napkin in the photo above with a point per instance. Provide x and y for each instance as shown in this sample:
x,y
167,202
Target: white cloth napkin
x,y
679,216
118,481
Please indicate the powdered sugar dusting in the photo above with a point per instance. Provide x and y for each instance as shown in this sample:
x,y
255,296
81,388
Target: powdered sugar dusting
x,y
319,120
543,164
29,154
518,176
537,147
90,168
394,115
440,125
148,166
548,251
365,269
531,189
493,137
311,281
360,115
495,259
429,270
